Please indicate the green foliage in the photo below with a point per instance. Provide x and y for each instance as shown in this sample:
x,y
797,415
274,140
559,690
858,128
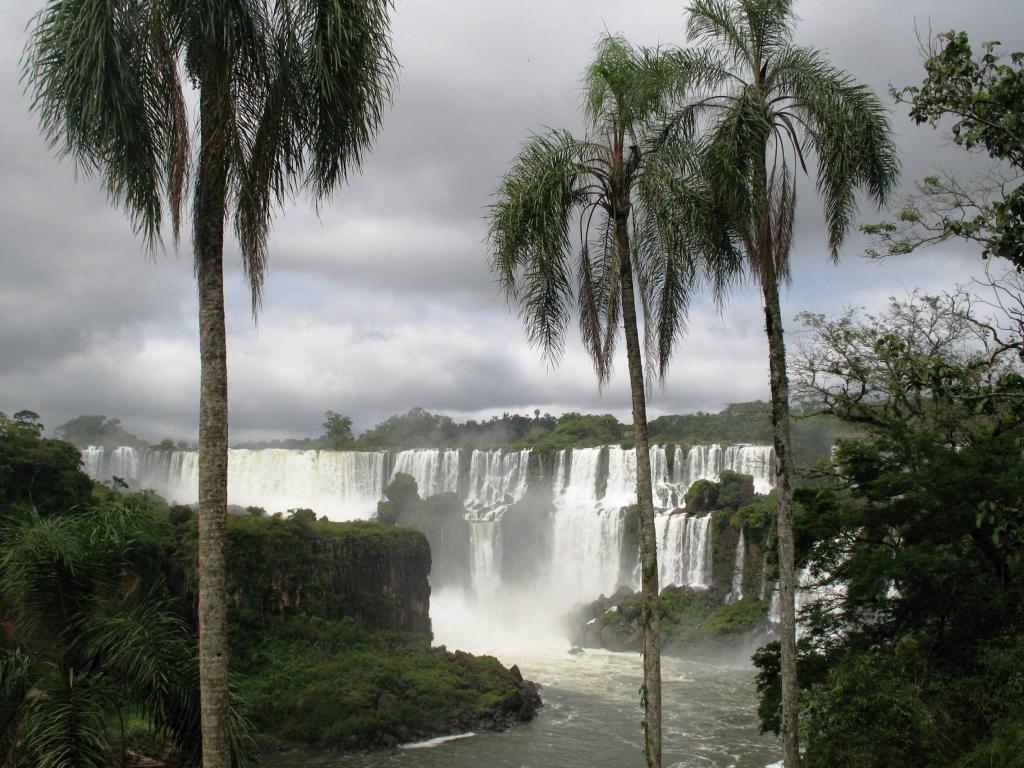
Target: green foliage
x,y
813,434
983,95
300,89
337,431
90,631
416,429
83,431
563,189
38,472
921,523
737,618
300,566
581,430
402,491
766,106
336,684
734,489
702,496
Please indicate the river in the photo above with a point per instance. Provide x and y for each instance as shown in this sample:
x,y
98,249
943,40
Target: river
x,y
591,715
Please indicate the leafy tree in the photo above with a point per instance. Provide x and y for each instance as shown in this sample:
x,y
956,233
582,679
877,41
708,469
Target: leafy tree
x,y
917,540
337,431
984,96
416,429
639,222
289,96
85,430
37,472
764,105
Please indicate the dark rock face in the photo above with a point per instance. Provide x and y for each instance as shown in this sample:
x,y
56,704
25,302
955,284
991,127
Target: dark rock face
x,y
377,574
442,519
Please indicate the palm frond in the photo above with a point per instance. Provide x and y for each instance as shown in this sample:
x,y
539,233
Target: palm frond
x,y
64,723
530,231
351,79
848,130
99,81
722,22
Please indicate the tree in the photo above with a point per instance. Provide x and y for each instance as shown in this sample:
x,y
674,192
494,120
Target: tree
x,y
984,96
629,199
39,473
91,636
289,97
337,431
915,536
764,104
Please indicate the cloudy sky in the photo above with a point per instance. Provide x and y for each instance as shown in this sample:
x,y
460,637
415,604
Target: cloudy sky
x,y
384,301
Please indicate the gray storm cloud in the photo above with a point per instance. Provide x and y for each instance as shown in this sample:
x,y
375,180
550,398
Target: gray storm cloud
x,y
382,300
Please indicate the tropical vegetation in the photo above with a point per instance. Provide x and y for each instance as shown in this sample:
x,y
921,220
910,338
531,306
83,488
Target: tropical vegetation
x,y
290,95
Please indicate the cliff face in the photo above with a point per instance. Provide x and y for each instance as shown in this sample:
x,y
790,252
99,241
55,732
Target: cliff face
x,y
377,574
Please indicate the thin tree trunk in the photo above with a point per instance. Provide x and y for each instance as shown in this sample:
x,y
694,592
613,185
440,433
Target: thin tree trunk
x,y
784,504
213,425
650,615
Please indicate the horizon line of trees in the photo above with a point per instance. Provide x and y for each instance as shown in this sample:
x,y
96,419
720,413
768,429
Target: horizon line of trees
x,y
745,422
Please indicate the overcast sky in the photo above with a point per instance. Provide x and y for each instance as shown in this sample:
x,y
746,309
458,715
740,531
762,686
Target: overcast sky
x,y
385,301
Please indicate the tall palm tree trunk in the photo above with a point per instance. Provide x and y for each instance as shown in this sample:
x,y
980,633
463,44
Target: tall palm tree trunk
x,y
213,424
650,615
784,508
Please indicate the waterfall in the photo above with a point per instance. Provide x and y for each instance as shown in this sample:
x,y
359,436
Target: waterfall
x,y
587,534
581,541
497,479
684,550
434,470
755,460
341,485
737,570
485,556
702,462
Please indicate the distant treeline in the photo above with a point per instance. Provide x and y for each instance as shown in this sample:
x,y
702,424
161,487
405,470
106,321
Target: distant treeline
x,y
736,423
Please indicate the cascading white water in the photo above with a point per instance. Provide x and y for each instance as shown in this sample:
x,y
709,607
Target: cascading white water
x,y
588,534
706,462
587,529
736,594
341,485
755,460
434,470
684,550
485,556
497,479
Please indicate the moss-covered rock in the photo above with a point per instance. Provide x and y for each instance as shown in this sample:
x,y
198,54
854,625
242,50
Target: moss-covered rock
x,y
691,622
279,568
337,685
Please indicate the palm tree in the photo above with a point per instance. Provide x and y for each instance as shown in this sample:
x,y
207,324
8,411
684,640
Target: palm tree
x,y
92,634
763,106
290,95
638,225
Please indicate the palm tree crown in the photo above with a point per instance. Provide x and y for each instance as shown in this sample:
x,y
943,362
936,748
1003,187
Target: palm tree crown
x,y
764,105
564,195
304,85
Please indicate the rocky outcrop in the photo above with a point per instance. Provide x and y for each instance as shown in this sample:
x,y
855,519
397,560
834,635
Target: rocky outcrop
x,y
374,573
691,621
